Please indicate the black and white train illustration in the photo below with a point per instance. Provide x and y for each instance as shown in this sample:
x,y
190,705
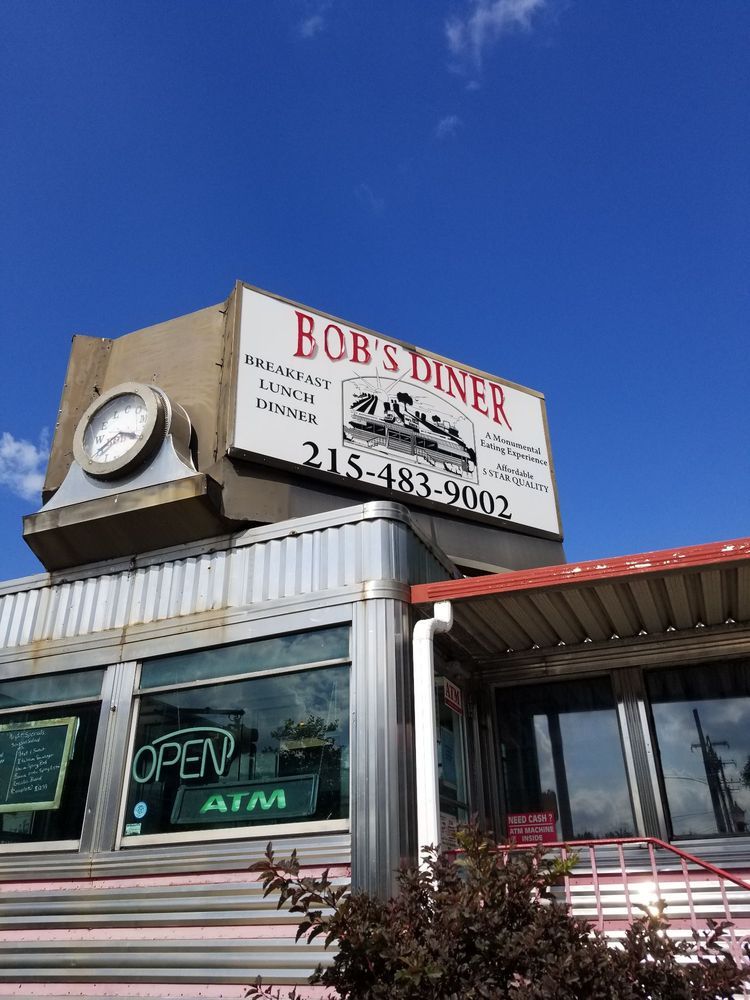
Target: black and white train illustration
x,y
382,415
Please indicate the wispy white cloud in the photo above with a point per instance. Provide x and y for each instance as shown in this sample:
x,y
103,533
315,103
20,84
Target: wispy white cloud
x,y
312,26
369,199
315,22
22,465
447,126
471,34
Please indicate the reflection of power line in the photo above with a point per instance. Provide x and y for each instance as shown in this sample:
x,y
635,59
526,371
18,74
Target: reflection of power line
x,y
703,812
729,816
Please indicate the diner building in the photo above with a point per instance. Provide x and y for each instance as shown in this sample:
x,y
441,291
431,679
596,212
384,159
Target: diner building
x,y
305,584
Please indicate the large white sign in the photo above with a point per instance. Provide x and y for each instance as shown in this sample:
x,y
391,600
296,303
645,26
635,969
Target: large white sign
x,y
332,399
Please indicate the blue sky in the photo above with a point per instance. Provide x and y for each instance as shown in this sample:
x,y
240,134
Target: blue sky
x,y
554,191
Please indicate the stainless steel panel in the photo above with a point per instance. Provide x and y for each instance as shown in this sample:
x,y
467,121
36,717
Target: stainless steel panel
x,y
173,960
315,849
640,764
83,905
382,745
306,556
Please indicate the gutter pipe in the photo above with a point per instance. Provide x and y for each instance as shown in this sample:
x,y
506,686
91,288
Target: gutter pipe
x,y
425,736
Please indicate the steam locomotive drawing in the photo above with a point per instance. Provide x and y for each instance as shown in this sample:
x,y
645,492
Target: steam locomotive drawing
x,y
384,417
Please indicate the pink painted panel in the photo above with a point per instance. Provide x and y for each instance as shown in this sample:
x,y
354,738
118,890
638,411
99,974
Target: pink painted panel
x,y
159,881
160,990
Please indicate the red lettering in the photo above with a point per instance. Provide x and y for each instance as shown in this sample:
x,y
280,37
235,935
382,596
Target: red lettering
x,y
305,336
342,344
498,405
453,380
479,397
360,348
414,373
438,365
390,353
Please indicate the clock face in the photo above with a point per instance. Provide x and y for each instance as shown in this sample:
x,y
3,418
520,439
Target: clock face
x,y
121,430
115,428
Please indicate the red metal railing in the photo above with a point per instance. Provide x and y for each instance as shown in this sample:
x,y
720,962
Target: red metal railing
x,y
615,878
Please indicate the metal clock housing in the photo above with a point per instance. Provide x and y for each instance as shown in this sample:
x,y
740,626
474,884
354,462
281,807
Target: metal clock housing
x,y
121,430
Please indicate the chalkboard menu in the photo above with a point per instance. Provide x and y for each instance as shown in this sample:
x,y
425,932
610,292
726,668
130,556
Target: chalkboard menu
x,y
33,760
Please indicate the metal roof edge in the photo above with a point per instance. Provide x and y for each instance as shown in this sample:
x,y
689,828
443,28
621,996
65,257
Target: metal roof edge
x,y
371,510
596,570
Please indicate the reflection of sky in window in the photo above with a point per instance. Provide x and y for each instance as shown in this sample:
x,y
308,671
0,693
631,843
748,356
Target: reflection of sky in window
x,y
263,704
722,720
247,657
50,688
599,800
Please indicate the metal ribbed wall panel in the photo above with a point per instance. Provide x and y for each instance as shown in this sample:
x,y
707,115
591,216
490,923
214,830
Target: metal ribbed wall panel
x,y
375,542
628,597
189,916
191,929
223,899
144,991
320,849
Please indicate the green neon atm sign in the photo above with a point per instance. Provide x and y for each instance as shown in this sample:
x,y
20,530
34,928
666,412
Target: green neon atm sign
x,y
248,801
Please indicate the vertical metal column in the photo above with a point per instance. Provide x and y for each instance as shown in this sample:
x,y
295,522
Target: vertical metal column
x,y
639,752
382,745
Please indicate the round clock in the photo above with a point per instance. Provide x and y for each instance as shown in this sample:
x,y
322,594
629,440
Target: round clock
x,y
121,430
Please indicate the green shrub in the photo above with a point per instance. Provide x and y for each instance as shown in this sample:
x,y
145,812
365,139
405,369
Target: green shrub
x,y
481,925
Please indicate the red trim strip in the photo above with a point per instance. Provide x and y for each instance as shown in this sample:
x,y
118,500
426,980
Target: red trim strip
x,y
548,577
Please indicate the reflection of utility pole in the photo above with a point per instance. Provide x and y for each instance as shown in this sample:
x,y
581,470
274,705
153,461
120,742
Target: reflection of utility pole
x,y
730,818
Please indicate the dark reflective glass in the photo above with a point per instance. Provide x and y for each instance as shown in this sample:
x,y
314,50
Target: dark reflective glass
x,y
241,753
248,657
561,753
45,768
702,720
50,687
451,761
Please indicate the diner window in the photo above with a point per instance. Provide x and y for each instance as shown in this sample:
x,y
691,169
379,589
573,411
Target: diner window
x,y
451,756
48,729
241,736
702,720
561,754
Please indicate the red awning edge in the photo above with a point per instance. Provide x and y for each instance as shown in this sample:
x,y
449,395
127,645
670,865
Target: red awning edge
x,y
572,574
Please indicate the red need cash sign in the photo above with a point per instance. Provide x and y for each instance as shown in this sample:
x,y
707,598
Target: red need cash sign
x,y
532,828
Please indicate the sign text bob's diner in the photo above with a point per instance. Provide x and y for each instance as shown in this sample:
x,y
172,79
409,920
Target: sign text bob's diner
x,y
329,399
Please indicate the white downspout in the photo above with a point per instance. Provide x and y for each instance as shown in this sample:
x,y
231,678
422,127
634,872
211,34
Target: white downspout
x,y
425,737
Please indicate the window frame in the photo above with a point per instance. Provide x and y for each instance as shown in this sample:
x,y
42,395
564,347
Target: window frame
x,y
97,772
627,667
725,842
626,744
132,842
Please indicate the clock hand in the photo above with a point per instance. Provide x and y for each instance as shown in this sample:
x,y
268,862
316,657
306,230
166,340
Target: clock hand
x,y
113,440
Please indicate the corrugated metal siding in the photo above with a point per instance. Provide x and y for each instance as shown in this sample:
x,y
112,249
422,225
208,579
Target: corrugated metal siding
x,y
319,849
101,924
306,556
621,598
152,991
171,929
